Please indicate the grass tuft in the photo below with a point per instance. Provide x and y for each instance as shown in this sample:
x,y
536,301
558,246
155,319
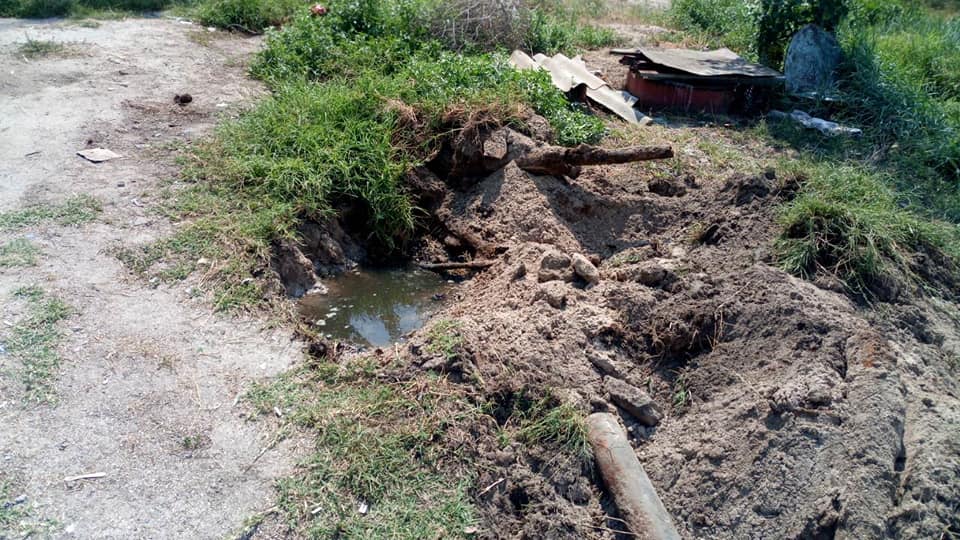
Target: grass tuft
x,y
18,252
41,48
847,222
379,445
74,211
33,342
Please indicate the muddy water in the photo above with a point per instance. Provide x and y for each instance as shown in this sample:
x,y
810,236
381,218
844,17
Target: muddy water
x,y
376,307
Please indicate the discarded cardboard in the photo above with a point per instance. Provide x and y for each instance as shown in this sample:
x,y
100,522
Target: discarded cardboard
x,y
569,74
98,155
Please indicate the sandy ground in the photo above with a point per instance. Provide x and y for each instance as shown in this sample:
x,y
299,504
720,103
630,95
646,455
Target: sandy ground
x,y
143,368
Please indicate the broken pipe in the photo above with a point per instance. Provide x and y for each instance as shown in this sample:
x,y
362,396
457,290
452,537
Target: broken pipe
x,y
638,503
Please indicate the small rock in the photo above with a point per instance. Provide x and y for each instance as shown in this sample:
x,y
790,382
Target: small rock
x,y
555,293
520,271
633,400
603,362
585,269
182,99
666,188
554,260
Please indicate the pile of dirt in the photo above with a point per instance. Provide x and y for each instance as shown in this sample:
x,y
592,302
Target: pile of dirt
x,y
788,409
782,408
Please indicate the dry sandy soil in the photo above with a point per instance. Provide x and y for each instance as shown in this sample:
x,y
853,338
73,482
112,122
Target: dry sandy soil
x,y
789,409
148,386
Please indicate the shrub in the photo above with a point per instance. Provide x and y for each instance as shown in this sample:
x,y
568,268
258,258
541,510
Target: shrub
x,y
251,16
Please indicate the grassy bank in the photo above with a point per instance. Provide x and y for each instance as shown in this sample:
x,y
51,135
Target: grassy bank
x,y
872,202
359,97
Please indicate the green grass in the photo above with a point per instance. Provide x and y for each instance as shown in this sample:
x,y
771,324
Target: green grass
x,y
74,211
17,519
41,48
33,342
397,447
376,443
251,16
562,426
18,252
847,221
359,97
444,338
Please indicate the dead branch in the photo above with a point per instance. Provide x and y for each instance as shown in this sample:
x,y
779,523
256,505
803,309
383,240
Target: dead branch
x,y
472,265
560,161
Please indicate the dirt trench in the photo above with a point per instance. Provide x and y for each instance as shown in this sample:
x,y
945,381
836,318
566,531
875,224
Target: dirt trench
x,y
147,390
786,409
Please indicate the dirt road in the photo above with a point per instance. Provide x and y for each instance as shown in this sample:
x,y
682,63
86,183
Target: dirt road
x,y
147,389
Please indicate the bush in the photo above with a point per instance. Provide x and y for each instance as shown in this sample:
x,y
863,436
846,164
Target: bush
x,y
251,16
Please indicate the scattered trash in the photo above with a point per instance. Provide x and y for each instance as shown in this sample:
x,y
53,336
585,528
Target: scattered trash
x,y
278,412
571,74
717,81
89,476
363,507
824,126
182,99
98,155
318,10
470,530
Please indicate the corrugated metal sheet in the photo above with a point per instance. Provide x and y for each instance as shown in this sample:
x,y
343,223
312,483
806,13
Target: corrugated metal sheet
x,y
718,63
570,73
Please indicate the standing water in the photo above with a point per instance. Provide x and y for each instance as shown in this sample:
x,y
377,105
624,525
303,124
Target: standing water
x,y
375,307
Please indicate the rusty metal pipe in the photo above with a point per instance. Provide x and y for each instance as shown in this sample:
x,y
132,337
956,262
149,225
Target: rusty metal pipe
x,y
640,507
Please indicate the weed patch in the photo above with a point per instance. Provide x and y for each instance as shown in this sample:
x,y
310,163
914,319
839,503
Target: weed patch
x,y
74,211
33,342
16,514
18,252
378,447
40,48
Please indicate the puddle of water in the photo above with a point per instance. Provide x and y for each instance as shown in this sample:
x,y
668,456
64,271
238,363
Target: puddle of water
x,y
375,307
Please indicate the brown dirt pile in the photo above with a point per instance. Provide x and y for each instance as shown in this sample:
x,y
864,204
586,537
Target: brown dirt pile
x,y
788,410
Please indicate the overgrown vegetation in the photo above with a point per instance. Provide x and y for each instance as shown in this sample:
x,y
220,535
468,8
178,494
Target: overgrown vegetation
x,y
360,96
869,203
33,342
377,470
78,8
389,460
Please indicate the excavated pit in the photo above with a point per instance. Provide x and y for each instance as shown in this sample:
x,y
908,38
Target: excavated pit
x,y
784,409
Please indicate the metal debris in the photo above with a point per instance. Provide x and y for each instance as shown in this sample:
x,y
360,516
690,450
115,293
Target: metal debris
x,y
710,81
571,75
